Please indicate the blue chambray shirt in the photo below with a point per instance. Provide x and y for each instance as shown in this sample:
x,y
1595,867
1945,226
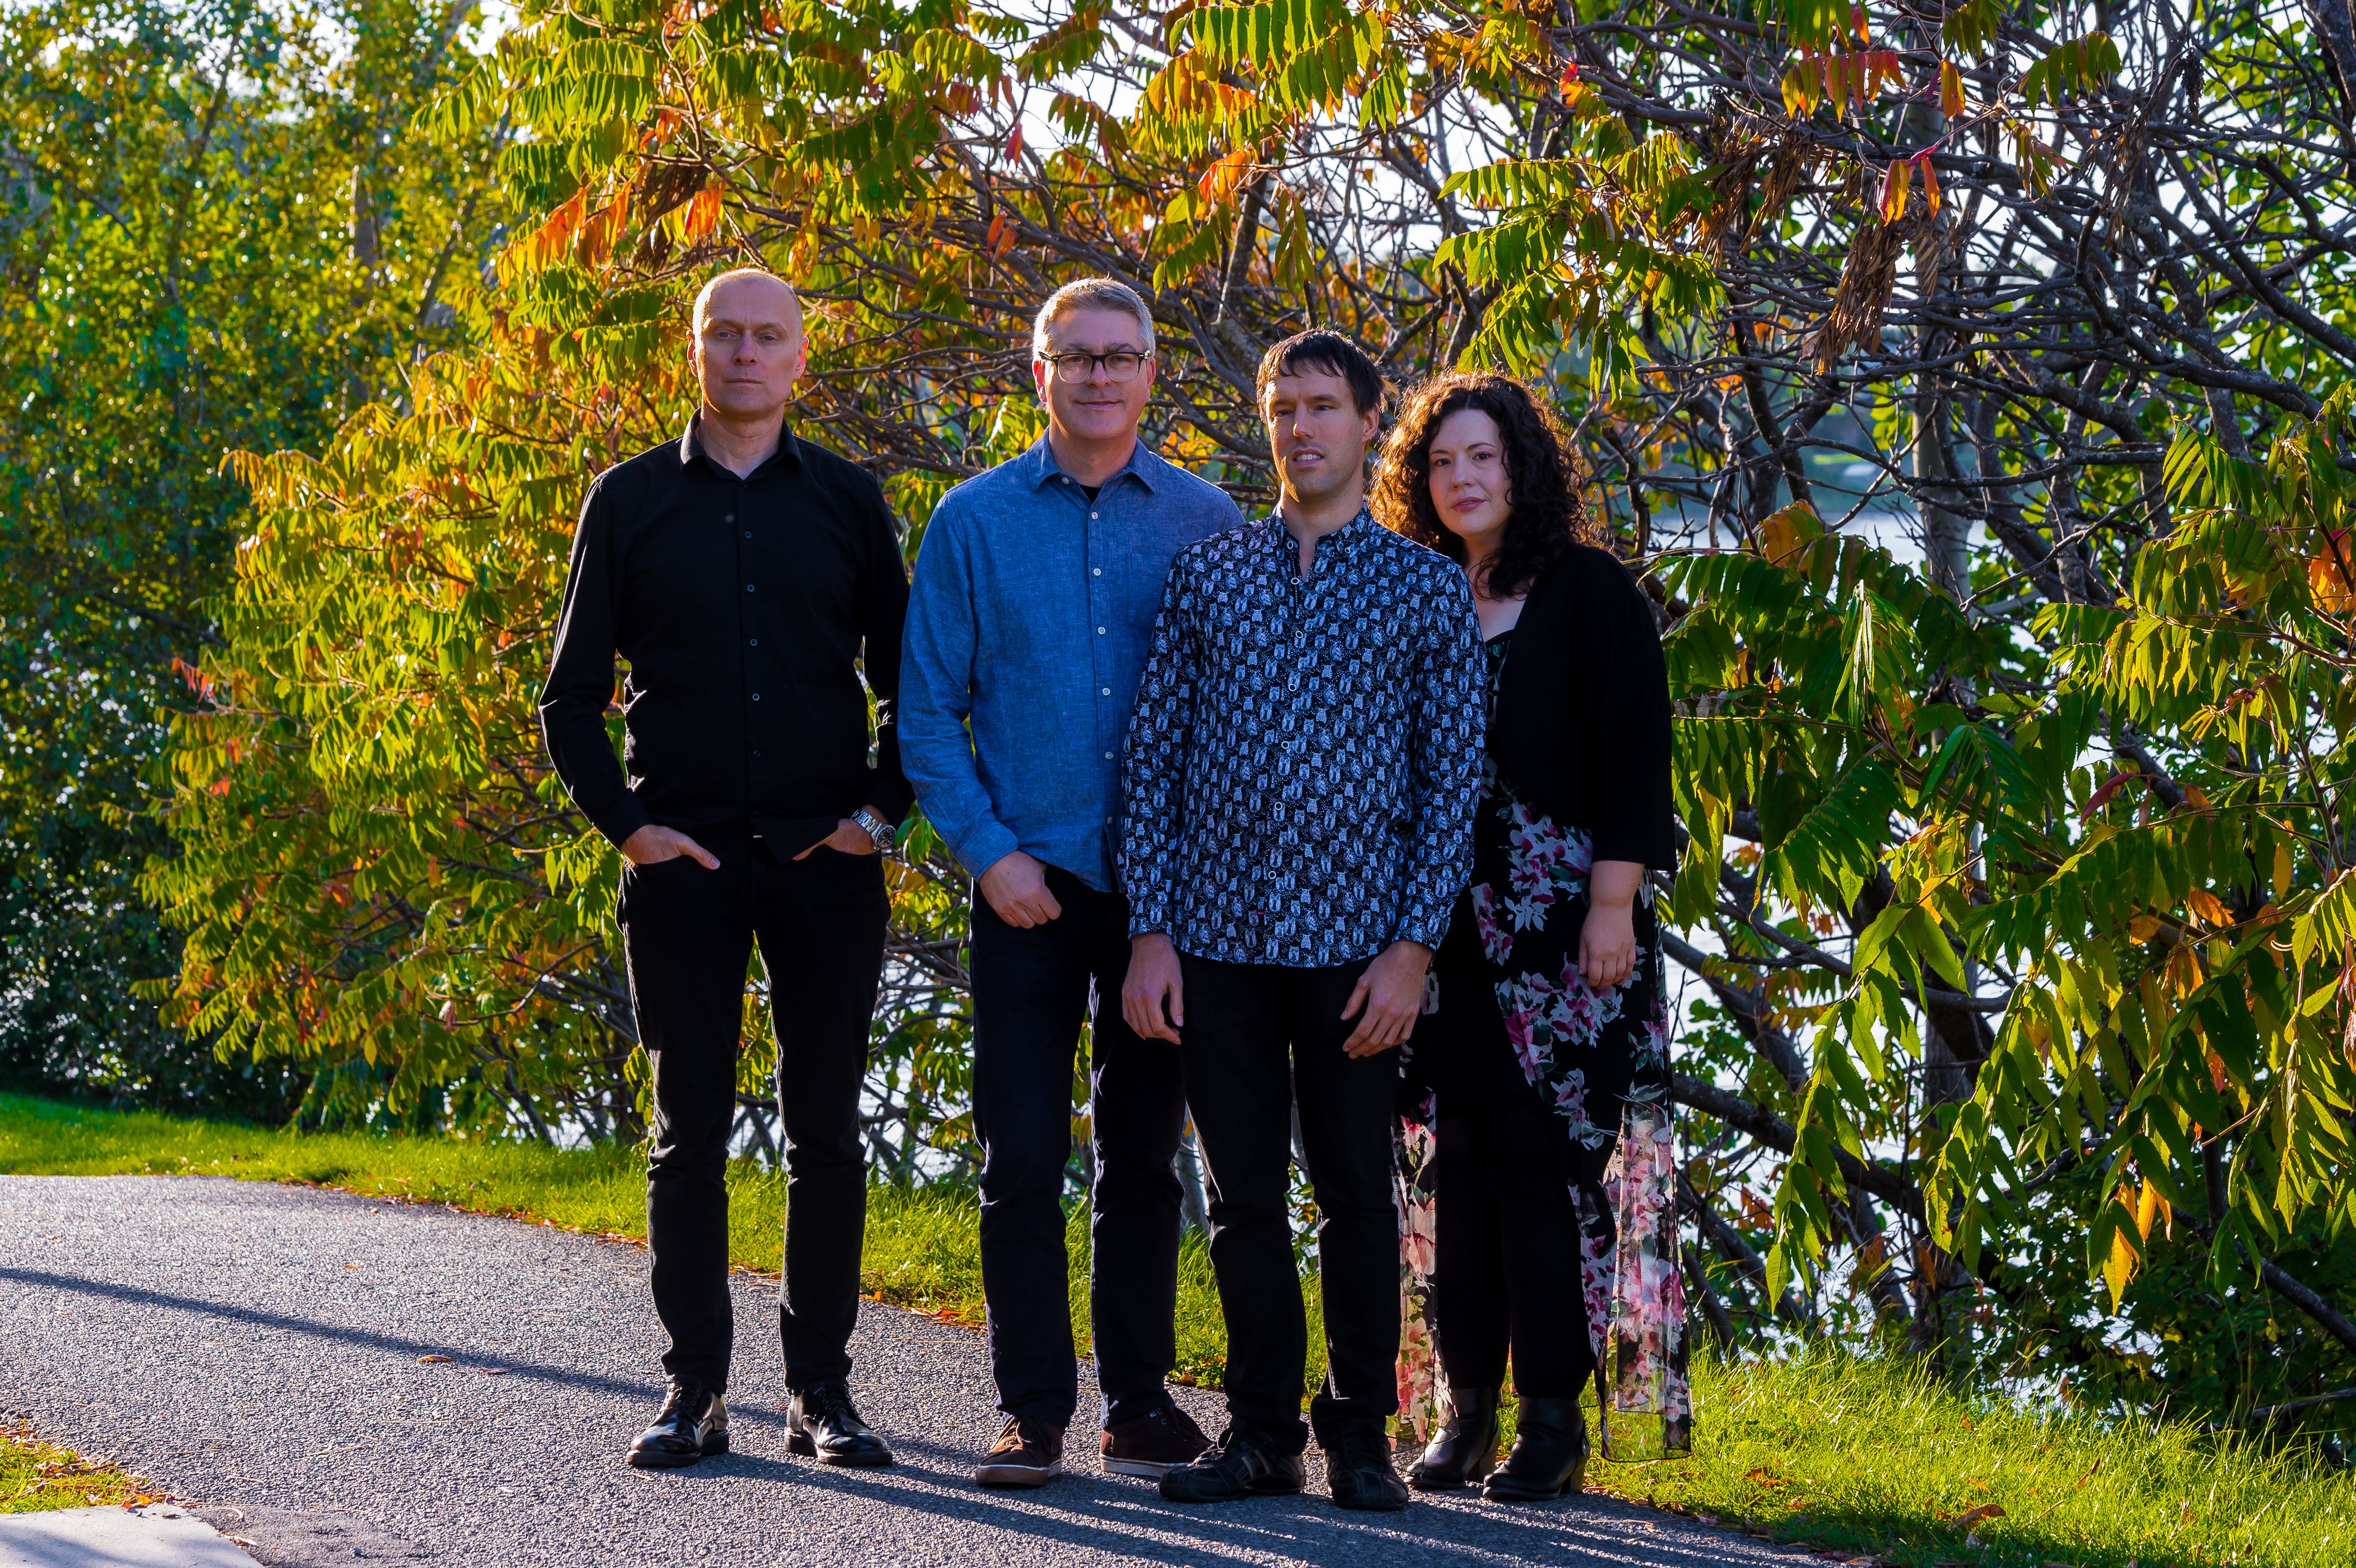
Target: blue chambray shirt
x,y
1028,625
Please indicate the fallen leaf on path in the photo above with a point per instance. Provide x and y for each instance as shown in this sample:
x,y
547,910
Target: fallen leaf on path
x,y
502,1371
432,1358
1984,1511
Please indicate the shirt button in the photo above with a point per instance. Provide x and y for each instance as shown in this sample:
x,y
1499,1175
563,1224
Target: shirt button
x,y
748,533
1107,756
1100,631
1100,571
1092,517
753,642
1108,691
756,756
732,517
748,588
757,697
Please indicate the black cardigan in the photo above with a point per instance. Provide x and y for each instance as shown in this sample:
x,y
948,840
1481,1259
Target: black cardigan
x,y
1581,723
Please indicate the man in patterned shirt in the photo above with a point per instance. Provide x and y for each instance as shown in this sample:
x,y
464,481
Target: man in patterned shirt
x,y
1298,784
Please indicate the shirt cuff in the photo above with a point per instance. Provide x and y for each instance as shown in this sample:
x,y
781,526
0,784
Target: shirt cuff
x,y
621,819
986,844
1419,927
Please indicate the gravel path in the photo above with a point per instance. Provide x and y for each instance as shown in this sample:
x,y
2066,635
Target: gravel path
x,y
259,1350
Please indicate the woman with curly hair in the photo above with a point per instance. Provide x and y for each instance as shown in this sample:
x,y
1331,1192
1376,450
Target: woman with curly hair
x,y
1550,1018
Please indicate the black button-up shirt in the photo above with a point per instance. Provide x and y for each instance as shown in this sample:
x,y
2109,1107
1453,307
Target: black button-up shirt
x,y
741,607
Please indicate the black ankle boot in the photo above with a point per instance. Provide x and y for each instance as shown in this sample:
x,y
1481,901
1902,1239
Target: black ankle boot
x,y
1461,1451
1549,1455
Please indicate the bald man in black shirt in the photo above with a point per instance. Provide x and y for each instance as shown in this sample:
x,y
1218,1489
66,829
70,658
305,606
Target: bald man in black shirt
x,y
742,572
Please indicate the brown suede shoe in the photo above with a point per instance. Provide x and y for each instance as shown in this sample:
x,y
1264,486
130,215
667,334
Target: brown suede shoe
x,y
1152,1444
1027,1454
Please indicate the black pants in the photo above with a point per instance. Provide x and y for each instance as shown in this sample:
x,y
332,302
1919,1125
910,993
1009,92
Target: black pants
x,y
1257,1039
1506,1252
1032,990
688,934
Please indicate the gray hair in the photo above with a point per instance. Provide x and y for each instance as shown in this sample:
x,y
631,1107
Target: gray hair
x,y
1091,293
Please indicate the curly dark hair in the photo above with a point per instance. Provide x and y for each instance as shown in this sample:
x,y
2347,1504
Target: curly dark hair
x,y
1547,518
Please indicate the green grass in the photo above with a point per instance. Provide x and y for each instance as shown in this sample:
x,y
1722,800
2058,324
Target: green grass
x,y
1868,1455
36,1476
1871,1455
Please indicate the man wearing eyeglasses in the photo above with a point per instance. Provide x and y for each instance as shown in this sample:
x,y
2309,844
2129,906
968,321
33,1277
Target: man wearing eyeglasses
x,y
1035,593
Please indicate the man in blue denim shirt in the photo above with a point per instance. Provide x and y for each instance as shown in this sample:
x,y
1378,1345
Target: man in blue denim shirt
x,y
1034,597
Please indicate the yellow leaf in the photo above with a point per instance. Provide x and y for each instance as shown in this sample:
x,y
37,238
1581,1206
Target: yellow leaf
x,y
2147,1210
2144,927
2208,907
1951,90
1799,92
2285,869
1893,191
2120,1266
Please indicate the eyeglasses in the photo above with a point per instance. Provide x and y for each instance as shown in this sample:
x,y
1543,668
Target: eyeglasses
x,y
1121,364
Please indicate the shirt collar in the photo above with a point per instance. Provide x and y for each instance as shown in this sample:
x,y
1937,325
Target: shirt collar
x,y
1142,466
1345,538
788,453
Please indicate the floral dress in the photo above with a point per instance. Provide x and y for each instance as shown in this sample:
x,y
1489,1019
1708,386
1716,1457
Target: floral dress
x,y
1600,1060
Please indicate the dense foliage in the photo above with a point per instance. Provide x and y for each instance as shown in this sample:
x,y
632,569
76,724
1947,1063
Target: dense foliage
x,y
218,229
1970,383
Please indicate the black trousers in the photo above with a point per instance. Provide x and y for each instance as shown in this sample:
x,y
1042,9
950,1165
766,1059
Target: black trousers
x,y
1505,1264
688,934
1032,990
1259,1038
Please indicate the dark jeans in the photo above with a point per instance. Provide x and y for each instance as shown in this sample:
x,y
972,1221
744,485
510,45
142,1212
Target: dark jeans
x,y
1259,1037
1506,1252
1032,990
688,934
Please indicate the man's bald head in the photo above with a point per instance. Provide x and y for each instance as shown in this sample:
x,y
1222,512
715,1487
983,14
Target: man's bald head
x,y
747,346
749,292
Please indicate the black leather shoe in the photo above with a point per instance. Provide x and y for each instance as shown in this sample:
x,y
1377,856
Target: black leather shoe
x,y
693,1425
1358,1468
1239,1465
1461,1451
822,1424
1549,1456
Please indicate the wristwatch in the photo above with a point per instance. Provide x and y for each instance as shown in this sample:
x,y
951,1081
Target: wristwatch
x,y
882,832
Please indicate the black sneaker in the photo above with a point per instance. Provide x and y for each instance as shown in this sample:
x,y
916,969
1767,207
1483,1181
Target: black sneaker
x,y
1358,1468
822,1424
1240,1465
693,1425
1152,1444
1027,1454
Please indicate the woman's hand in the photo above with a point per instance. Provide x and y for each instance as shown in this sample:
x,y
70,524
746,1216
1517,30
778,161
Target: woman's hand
x,y
1607,938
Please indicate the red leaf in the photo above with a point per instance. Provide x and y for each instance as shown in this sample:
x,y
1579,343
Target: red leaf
x,y
1893,191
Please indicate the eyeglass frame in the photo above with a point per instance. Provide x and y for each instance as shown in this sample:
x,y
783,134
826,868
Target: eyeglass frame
x,y
1054,363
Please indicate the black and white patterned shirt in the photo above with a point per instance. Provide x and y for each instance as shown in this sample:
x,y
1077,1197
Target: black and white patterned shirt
x,y
1301,773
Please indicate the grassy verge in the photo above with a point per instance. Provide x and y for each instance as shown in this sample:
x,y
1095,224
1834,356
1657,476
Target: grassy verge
x,y
36,1476
1865,1456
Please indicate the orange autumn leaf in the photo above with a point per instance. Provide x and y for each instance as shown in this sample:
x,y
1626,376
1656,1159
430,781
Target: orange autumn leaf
x,y
1931,198
1951,90
702,215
